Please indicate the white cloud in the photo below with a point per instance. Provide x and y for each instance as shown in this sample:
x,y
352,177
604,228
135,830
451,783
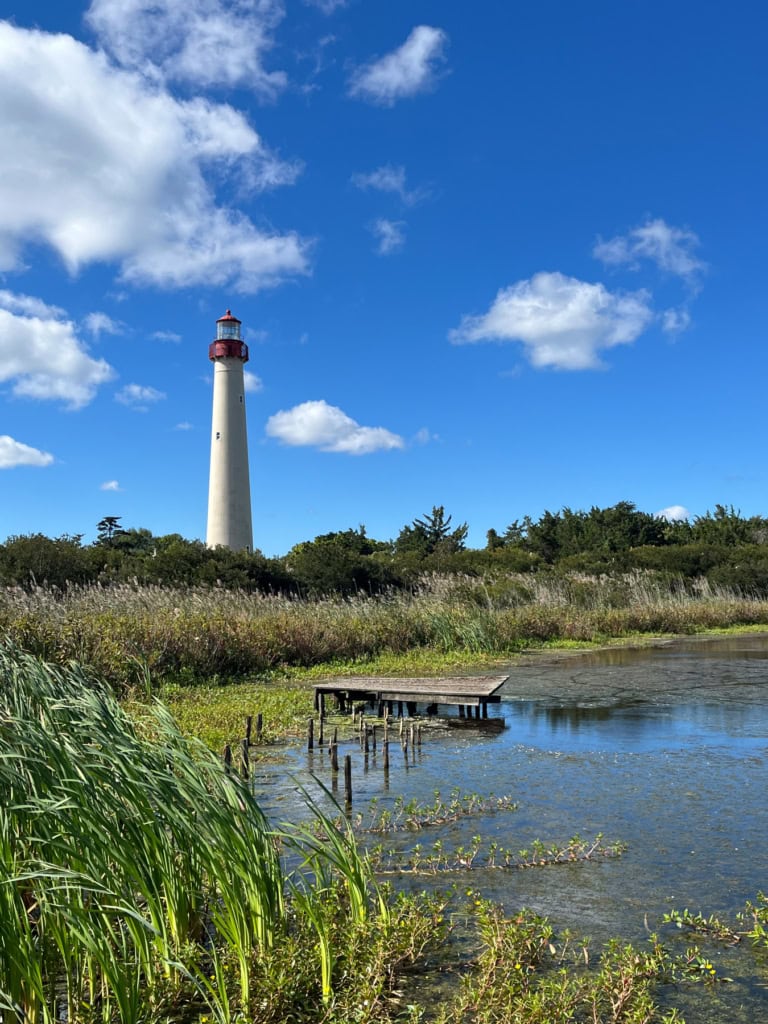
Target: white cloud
x,y
42,355
674,514
409,70
323,426
110,485
388,179
202,42
252,382
14,453
139,396
100,323
171,336
424,436
390,235
670,248
675,321
28,305
326,6
184,426
563,322
103,165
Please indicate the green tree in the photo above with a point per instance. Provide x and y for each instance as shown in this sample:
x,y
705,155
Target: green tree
x,y
432,535
107,529
339,563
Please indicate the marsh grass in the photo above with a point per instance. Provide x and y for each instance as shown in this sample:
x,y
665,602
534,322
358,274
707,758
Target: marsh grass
x,y
139,882
140,637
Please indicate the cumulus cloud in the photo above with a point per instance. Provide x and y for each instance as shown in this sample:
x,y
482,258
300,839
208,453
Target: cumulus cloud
x,y
388,179
100,323
139,396
562,322
252,381
103,165
674,514
323,426
390,235
411,69
110,485
41,354
202,42
669,248
14,453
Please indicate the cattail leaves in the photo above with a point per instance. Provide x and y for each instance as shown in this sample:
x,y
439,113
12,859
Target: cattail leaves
x,y
132,868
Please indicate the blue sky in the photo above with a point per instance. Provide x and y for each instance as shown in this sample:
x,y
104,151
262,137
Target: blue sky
x,y
494,256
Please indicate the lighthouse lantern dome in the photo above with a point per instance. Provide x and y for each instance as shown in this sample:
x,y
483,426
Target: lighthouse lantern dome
x,y
228,327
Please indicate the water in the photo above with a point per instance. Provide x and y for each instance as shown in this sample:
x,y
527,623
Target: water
x,y
664,748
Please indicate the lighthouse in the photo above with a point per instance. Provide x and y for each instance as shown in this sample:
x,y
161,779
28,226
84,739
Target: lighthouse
x,y
229,488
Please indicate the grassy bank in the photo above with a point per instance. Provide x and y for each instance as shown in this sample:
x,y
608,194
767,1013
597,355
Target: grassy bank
x,y
144,636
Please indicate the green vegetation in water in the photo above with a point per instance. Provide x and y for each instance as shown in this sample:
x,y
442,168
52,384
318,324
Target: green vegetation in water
x,y
413,815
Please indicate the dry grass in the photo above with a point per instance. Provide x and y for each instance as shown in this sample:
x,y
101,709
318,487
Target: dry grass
x,y
133,634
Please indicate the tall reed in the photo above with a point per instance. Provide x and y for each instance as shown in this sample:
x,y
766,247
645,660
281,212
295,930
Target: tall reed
x,y
133,871
133,635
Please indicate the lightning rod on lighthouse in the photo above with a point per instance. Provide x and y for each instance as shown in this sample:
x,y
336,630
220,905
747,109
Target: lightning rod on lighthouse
x,y
229,488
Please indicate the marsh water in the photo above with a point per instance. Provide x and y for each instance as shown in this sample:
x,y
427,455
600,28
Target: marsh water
x,y
663,747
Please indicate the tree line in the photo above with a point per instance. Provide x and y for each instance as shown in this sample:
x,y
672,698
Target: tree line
x,y
727,548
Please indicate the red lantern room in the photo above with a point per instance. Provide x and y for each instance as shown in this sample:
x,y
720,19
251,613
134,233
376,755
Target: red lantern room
x,y
228,343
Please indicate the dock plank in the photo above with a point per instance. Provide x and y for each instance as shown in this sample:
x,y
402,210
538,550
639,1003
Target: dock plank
x,y
469,690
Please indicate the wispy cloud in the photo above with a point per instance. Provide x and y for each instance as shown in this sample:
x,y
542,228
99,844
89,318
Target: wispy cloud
x,y
670,248
184,425
42,355
563,323
390,235
139,397
14,453
171,336
319,425
389,178
252,381
675,321
201,42
110,485
99,323
326,6
412,68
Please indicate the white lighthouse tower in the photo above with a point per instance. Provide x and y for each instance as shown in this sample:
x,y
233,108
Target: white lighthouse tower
x,y
229,489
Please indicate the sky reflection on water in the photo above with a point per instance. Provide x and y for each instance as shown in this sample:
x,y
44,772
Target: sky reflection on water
x,y
665,748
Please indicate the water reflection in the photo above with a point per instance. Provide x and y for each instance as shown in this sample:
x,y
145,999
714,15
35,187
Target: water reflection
x,y
665,748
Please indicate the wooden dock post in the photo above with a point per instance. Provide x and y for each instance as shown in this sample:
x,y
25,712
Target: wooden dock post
x,y
335,757
461,710
348,779
310,734
386,754
248,728
227,759
259,727
245,763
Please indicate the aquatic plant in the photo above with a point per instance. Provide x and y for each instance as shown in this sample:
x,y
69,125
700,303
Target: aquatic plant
x,y
139,881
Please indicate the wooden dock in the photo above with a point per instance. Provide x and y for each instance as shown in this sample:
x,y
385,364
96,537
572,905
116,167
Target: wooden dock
x,y
468,693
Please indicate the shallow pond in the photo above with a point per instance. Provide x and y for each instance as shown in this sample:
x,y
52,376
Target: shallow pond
x,y
663,747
